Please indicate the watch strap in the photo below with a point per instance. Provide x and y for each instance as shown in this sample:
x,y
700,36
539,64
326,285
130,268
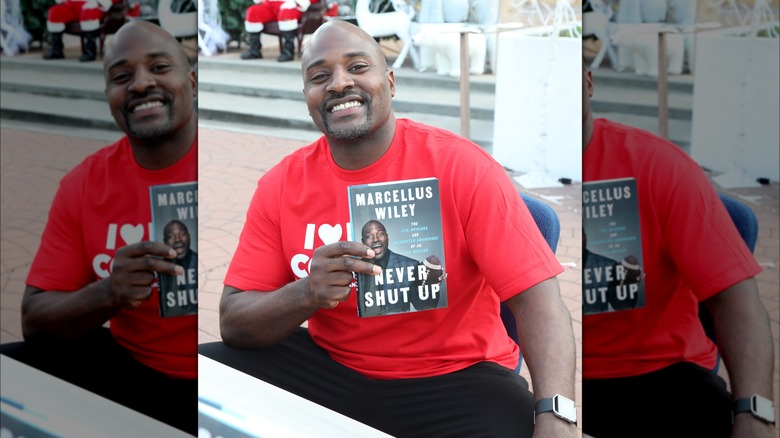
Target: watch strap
x,y
742,405
543,405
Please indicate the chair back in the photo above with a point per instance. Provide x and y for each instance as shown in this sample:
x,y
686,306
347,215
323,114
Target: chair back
x,y
747,225
550,226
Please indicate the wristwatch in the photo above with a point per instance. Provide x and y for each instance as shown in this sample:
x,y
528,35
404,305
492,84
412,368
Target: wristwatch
x,y
559,405
761,408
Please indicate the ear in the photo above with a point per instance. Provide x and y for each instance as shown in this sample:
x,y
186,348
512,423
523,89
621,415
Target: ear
x,y
391,81
194,82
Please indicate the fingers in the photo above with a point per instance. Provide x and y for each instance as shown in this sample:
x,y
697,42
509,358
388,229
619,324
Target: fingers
x,y
146,256
134,267
146,247
331,269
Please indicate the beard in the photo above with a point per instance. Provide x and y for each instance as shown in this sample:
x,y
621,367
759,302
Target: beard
x,y
153,132
354,131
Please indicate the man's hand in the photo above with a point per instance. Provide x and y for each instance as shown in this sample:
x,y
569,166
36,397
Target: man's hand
x,y
330,276
132,274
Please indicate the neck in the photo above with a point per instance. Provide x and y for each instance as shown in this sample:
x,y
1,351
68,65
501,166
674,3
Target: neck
x,y
365,151
163,152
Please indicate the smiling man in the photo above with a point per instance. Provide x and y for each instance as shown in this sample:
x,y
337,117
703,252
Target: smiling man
x,y
95,263
443,372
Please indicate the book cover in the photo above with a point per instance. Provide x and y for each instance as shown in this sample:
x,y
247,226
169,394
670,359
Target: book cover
x,y
612,274
401,222
175,222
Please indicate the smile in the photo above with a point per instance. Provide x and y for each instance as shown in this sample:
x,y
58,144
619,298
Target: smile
x,y
147,105
343,106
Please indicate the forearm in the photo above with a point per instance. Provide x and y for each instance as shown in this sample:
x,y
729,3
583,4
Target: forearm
x,y
546,339
251,319
67,315
744,339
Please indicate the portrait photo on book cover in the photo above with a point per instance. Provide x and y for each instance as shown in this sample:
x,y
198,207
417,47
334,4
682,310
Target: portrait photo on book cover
x,y
175,222
408,247
612,274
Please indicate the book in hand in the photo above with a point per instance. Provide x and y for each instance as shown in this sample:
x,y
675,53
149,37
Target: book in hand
x,y
612,274
175,222
401,222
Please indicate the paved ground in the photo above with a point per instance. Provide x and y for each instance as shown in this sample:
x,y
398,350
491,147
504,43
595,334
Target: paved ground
x,y
231,161
33,159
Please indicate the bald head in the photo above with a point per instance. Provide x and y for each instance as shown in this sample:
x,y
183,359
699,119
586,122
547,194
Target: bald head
x,y
139,32
151,87
340,33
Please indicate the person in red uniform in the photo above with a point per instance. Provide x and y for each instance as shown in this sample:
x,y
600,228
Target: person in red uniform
x,y
287,13
88,13
448,371
96,263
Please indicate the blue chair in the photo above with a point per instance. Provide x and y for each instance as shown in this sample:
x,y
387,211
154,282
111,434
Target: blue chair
x,y
550,226
747,225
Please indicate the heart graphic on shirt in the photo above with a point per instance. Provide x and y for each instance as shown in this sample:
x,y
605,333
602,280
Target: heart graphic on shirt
x,y
329,234
131,233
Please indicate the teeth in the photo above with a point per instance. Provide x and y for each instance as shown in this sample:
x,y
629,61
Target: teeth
x,y
344,106
147,105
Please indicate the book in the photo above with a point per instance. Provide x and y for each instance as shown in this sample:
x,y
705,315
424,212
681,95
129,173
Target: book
x,y
175,222
401,222
612,274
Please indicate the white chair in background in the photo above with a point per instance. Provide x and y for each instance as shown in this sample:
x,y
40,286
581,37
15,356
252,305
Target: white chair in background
x,y
180,25
389,24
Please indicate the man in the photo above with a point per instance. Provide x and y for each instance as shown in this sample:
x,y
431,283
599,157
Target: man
x,y
96,264
375,236
442,372
177,236
691,251
87,13
287,13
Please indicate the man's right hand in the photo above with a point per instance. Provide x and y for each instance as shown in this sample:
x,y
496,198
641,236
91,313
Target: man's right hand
x,y
330,276
132,272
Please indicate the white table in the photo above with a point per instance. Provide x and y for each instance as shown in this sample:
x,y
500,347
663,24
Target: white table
x,y
232,403
37,404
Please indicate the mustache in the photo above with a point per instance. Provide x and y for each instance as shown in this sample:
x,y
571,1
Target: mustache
x,y
363,96
165,97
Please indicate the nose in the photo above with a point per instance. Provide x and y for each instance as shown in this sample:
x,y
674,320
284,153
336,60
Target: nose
x,y
142,81
340,80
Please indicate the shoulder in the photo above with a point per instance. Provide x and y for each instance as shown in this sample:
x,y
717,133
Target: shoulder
x,y
96,167
442,146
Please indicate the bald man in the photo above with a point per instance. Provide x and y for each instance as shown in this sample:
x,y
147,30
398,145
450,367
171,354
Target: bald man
x,y
442,372
96,264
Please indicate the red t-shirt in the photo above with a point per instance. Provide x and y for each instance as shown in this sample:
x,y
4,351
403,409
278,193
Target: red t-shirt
x,y
103,204
492,246
690,247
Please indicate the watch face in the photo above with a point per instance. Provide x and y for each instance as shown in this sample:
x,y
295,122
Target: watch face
x,y
564,408
762,408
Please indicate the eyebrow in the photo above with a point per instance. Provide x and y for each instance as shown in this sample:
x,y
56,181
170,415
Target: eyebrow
x,y
348,55
122,61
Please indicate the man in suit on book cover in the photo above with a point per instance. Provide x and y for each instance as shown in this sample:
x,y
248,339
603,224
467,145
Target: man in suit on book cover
x,y
96,263
692,253
443,372
375,236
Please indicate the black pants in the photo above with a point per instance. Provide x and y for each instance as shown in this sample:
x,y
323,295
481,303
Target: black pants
x,y
682,400
484,400
98,364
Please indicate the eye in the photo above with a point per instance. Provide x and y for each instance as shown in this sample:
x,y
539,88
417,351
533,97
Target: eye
x,y
318,77
160,67
119,78
359,67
